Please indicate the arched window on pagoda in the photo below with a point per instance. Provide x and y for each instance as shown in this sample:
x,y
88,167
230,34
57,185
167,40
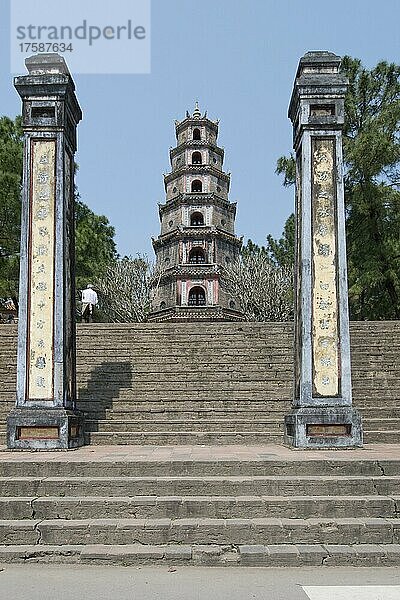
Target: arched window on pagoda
x,y
197,296
196,219
196,134
196,158
197,256
197,185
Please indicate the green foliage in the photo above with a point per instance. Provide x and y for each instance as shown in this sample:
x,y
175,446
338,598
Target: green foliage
x,y
372,189
10,205
252,249
282,251
94,245
371,145
286,166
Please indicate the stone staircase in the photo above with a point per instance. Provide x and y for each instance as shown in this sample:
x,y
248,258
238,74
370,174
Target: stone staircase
x,y
220,383
265,506
201,486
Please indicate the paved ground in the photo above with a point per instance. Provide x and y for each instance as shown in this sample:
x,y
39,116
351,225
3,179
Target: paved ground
x,y
211,453
44,582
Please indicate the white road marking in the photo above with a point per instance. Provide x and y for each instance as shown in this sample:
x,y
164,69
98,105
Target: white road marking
x,y
356,592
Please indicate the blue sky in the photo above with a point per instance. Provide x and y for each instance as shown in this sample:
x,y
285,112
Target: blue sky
x,y
238,58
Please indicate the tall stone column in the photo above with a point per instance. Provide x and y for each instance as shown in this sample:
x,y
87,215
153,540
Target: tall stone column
x,y
322,415
45,416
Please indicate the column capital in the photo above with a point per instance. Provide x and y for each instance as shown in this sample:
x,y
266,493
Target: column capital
x,y
318,95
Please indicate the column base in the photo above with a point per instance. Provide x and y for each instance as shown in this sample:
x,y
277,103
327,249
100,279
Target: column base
x,y
44,429
324,427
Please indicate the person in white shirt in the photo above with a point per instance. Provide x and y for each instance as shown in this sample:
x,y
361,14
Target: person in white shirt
x,y
89,301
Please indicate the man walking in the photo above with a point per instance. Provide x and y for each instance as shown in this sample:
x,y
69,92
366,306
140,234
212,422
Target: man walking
x,y
89,301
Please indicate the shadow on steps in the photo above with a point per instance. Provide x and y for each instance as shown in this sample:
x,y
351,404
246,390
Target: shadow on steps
x,y
103,387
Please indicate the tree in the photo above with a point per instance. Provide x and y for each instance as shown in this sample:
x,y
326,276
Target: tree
x,y
282,251
372,189
286,166
250,249
264,290
371,144
10,205
95,248
126,290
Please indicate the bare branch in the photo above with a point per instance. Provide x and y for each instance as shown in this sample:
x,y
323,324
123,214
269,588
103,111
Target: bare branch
x,y
125,291
264,291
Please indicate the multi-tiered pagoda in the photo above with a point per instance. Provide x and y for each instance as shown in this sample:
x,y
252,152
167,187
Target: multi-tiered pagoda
x,y
197,228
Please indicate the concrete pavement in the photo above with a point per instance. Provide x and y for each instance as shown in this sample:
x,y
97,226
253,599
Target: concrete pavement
x,y
55,582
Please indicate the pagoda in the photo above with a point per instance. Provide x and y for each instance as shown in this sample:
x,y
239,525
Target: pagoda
x,y
197,237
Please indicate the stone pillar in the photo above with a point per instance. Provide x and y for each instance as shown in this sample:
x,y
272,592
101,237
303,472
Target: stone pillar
x,y
45,416
322,415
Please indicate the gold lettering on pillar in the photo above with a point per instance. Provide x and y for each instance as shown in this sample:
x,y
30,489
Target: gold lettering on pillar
x,y
41,273
324,266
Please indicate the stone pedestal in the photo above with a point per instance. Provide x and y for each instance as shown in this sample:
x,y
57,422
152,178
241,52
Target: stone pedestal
x,y
44,429
45,416
322,415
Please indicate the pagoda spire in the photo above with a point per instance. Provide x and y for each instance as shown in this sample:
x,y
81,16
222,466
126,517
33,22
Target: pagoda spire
x,y
196,112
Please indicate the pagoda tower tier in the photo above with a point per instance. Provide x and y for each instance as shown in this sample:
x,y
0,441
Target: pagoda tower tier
x,y
197,237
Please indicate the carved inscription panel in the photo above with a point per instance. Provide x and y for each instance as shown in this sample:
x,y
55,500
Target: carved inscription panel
x,y
41,277
324,267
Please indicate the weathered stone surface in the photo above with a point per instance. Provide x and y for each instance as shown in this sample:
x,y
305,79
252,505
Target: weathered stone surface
x,y
284,555
252,363
253,555
334,528
322,415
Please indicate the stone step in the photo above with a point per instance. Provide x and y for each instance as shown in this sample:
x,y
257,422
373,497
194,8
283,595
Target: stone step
x,y
182,507
205,436
214,419
101,438
263,364
383,413
265,426
370,394
237,531
377,403
171,438
200,408
382,424
183,390
382,436
191,342
389,386
256,485
244,408
189,347
257,358
184,415
158,403
190,464
284,555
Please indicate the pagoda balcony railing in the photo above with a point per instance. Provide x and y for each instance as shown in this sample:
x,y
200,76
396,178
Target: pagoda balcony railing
x,y
197,169
202,227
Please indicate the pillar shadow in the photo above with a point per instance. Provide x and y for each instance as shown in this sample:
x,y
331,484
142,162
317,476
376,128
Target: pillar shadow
x,y
103,387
